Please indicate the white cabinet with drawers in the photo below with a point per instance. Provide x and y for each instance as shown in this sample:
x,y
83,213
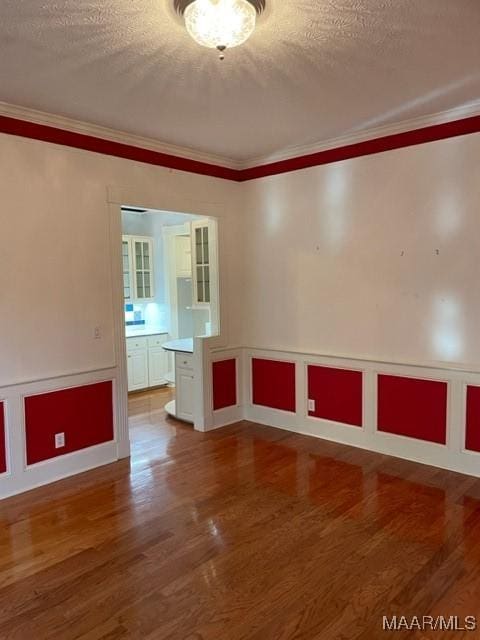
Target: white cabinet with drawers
x,y
147,362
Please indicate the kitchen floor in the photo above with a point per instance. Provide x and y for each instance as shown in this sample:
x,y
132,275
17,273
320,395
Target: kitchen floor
x,y
150,401
150,426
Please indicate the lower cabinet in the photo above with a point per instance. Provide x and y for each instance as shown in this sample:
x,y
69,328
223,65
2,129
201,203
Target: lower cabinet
x,y
184,387
157,366
137,370
184,394
147,362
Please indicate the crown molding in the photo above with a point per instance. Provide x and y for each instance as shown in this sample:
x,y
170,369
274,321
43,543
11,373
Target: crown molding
x,y
29,123
84,128
290,153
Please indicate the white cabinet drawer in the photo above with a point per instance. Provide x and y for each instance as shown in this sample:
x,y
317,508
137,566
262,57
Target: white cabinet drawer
x,y
133,344
184,360
157,341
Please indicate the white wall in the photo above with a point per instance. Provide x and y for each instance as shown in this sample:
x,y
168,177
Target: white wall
x,y
56,278
374,257
340,259
134,224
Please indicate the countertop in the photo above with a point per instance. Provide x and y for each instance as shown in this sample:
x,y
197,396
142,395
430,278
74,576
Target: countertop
x,y
137,332
184,345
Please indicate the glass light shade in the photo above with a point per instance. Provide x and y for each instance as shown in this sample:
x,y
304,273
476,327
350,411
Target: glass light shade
x,y
220,23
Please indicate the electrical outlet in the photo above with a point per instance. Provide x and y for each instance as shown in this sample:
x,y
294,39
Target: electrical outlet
x,y
59,440
311,405
97,333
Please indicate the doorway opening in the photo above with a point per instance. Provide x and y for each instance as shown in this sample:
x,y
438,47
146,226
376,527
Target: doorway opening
x,y
171,297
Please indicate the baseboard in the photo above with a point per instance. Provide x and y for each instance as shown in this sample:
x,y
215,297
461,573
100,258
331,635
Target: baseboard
x,y
431,454
449,453
58,468
224,417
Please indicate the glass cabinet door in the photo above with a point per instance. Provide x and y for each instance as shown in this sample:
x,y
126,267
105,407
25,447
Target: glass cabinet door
x,y
137,264
143,268
127,282
202,265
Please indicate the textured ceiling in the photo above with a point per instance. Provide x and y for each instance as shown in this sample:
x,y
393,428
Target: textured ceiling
x,y
313,70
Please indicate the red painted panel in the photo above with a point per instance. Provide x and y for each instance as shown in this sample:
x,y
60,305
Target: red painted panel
x,y
413,407
337,394
84,414
3,449
273,384
224,373
472,439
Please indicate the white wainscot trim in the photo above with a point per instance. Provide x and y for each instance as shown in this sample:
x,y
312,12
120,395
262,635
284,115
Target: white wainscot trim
x,y
58,468
21,477
224,417
228,415
452,456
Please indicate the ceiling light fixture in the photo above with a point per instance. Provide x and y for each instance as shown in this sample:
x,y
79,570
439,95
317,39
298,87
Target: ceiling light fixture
x,y
220,24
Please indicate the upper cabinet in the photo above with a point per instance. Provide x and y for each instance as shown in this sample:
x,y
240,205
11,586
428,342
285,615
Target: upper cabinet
x,y
183,256
137,255
127,261
143,253
201,263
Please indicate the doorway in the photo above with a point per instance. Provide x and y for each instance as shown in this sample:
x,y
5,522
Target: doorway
x,y
170,291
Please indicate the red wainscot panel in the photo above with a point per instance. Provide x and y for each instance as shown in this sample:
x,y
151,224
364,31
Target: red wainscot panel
x,y
412,407
472,436
337,394
224,375
273,384
84,414
3,448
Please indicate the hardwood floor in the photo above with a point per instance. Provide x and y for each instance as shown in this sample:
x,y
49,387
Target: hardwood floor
x,y
244,533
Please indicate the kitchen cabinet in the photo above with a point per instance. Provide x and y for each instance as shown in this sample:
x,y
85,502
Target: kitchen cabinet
x,y
182,406
127,269
183,257
184,387
137,370
147,362
138,275
157,361
201,263
157,367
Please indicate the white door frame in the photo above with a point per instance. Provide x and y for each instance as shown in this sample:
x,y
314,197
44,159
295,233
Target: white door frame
x,y
175,203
